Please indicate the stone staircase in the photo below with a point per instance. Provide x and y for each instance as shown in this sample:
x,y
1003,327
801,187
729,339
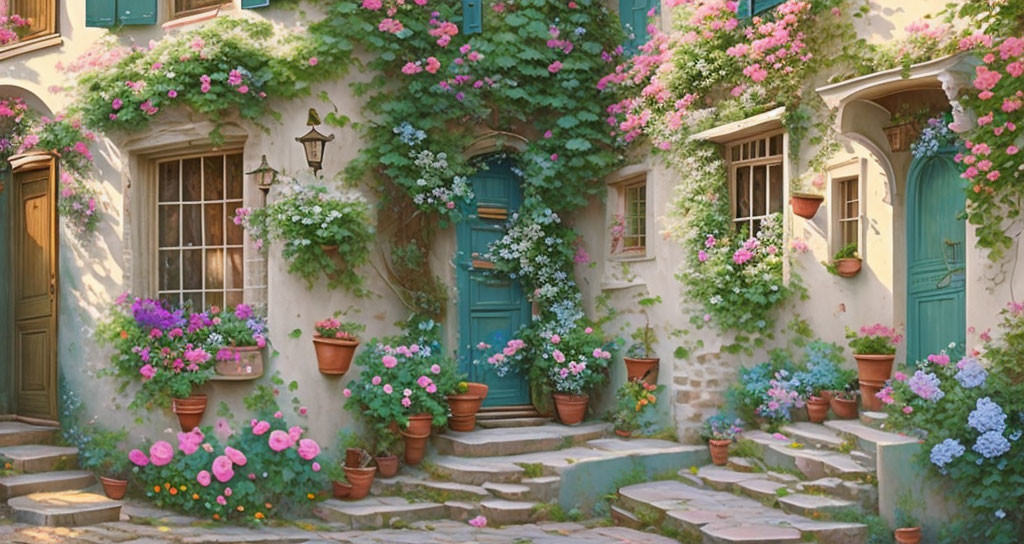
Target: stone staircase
x,y
45,488
512,475
803,484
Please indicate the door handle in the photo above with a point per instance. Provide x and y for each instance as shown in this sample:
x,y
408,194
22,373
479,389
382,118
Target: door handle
x,y
53,285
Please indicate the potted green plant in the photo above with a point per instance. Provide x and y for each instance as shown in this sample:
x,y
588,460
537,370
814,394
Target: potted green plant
x,y
844,401
846,262
385,440
820,375
719,431
465,401
335,343
908,526
340,487
640,360
239,336
577,362
103,454
635,411
874,348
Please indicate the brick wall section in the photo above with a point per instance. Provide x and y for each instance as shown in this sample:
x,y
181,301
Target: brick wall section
x,y
699,385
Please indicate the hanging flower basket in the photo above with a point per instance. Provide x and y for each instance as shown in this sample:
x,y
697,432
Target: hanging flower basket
x,y
239,363
805,205
334,355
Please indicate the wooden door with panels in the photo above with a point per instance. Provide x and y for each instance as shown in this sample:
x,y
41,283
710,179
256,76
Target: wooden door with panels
x,y
33,284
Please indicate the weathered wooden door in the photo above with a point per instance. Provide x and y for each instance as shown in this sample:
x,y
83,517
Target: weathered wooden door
x,y
491,309
936,311
34,288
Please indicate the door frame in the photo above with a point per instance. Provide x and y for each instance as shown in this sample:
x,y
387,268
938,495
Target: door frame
x,y
21,163
911,215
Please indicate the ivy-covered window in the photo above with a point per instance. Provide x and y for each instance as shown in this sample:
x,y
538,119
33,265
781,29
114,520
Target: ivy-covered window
x,y
634,15
199,247
755,180
27,20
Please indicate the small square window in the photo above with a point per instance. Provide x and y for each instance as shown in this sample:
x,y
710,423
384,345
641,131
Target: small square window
x,y
847,212
181,8
755,180
28,20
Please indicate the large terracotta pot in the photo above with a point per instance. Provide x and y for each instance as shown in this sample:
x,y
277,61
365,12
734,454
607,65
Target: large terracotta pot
x,y
245,364
388,466
463,409
334,355
872,372
805,205
641,369
478,390
114,488
341,489
420,424
415,447
462,424
571,408
190,410
817,409
844,408
719,451
361,480
848,267
908,535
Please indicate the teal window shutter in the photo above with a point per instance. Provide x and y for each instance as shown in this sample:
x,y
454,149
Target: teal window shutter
x,y
749,8
472,16
252,4
136,12
100,13
633,16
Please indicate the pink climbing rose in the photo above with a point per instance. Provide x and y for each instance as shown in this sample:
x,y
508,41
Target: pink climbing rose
x,y
308,449
236,457
203,478
280,440
161,453
260,428
222,469
138,458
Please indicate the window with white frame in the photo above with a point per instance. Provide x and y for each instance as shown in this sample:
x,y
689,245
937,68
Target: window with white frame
x,y
847,214
755,180
199,247
634,215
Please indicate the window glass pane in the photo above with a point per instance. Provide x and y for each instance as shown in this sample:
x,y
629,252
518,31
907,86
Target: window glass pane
x,y
742,192
169,225
170,270
189,5
213,178
735,152
234,298
169,182
171,298
38,12
214,234
849,232
775,198
192,268
214,269
775,145
191,225
191,180
761,148
193,300
234,232
234,175
760,189
214,298
234,277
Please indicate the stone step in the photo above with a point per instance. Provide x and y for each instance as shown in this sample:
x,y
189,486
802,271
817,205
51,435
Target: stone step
x,y
511,492
813,463
507,413
40,458
43,482
430,490
867,438
476,471
813,505
16,433
865,495
543,488
64,509
513,422
873,419
720,517
814,435
504,512
378,512
500,442
745,464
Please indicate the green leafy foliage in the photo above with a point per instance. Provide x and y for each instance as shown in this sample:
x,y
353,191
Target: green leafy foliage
x,y
636,407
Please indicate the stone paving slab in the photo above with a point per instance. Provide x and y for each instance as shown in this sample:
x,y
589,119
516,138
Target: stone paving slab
x,y
374,512
64,509
723,479
39,457
43,482
813,434
807,505
500,442
868,438
410,485
16,433
814,463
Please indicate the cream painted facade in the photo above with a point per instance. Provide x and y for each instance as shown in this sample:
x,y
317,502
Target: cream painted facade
x,y
121,257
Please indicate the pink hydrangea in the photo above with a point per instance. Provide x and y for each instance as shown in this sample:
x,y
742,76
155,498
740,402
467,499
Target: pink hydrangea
x,y
280,440
372,5
161,453
308,449
236,457
389,361
222,468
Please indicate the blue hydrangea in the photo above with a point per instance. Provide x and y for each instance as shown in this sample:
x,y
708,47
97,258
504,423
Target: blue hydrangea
x,y
971,373
926,386
1000,514
987,416
944,452
992,444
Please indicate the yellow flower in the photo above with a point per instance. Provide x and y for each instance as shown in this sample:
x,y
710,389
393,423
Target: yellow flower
x,y
183,487
310,496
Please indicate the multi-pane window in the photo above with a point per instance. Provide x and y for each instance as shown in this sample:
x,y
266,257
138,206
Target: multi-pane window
x,y
847,204
36,18
187,7
635,236
755,178
199,246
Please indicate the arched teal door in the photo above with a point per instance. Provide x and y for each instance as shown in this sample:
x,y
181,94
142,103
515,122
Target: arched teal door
x,y
936,312
491,309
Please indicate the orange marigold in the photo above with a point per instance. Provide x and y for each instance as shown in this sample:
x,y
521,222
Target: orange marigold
x,y
173,491
310,496
258,515
216,516
156,488
195,496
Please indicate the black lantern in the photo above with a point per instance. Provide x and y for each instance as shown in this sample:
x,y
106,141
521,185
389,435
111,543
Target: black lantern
x,y
313,143
264,175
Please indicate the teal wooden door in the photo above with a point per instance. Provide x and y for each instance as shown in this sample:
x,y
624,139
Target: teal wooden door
x,y
491,309
936,313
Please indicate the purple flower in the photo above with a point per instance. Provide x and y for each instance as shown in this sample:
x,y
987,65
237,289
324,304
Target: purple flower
x,y
243,311
151,314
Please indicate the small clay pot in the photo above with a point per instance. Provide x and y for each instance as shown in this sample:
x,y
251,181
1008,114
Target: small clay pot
x,y
817,409
341,489
415,447
361,480
189,410
623,434
462,424
844,408
640,368
571,408
420,424
872,372
334,355
387,466
848,267
114,488
477,390
719,451
908,535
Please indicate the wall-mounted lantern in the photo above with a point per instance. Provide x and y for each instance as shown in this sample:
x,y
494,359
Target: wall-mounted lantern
x,y
263,175
313,143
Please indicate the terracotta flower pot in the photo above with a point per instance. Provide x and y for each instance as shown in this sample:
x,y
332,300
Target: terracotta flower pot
x,y
464,407
849,267
415,447
341,489
908,535
640,369
353,457
114,488
872,372
805,205
388,466
817,409
420,424
334,355
462,424
479,390
827,395
623,434
719,451
246,363
190,410
361,480
571,408
844,408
